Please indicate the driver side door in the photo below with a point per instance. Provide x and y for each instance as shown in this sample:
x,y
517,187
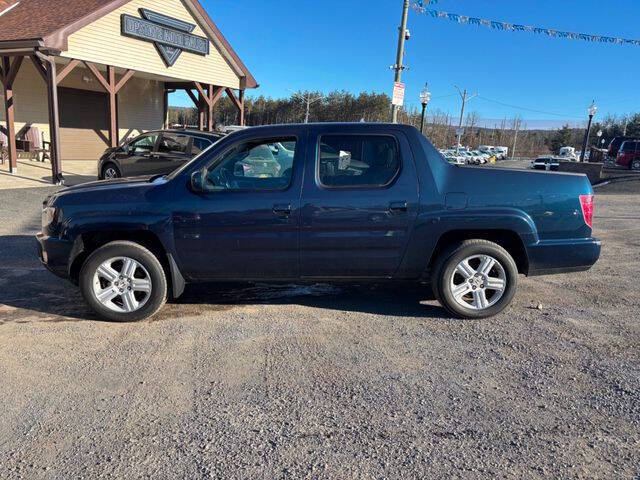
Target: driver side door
x,y
245,224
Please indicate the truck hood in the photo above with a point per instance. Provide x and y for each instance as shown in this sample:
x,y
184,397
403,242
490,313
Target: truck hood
x,y
121,190
108,184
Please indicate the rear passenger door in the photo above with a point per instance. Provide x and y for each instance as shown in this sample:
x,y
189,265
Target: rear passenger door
x,y
359,203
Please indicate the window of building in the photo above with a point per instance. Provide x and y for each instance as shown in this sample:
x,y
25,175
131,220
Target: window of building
x,y
358,160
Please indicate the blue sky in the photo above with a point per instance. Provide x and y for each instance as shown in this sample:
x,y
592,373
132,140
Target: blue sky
x,y
345,44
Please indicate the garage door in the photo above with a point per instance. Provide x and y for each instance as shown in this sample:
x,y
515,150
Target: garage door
x,y
84,124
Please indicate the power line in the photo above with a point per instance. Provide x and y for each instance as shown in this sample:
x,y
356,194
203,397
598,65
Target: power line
x,y
527,109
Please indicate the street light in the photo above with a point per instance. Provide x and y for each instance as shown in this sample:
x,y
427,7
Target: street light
x,y
592,111
425,96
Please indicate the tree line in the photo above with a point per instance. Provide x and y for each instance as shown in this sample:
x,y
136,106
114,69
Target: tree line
x,y
440,127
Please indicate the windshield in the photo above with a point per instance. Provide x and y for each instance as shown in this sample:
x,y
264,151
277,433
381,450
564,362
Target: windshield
x,y
177,172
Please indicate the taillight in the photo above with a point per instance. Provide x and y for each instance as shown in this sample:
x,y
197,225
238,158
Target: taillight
x,y
586,202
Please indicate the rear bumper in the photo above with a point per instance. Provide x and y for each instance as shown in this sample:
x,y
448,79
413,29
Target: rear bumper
x,y
54,254
563,256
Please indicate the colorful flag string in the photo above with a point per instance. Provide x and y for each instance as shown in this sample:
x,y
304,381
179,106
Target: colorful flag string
x,y
419,7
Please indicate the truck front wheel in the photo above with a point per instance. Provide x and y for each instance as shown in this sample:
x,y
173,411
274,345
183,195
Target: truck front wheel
x,y
475,279
123,282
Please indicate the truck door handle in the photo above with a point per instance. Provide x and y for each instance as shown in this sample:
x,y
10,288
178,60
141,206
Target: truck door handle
x,y
398,207
282,209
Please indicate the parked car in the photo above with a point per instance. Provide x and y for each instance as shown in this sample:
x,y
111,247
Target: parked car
x,y
361,203
153,153
616,143
629,155
503,152
546,163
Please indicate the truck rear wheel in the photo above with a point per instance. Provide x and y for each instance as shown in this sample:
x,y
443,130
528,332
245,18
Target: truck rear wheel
x,y
123,282
475,279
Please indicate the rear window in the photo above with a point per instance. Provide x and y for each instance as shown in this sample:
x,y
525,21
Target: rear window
x,y
629,146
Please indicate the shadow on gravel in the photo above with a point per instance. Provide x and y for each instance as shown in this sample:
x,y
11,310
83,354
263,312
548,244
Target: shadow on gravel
x,y
34,294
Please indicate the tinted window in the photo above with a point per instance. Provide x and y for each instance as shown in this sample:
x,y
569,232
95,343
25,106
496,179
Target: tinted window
x,y
199,145
173,143
357,160
253,165
144,144
629,147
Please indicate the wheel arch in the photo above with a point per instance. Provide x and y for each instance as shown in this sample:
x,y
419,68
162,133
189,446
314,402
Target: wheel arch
x,y
89,241
507,239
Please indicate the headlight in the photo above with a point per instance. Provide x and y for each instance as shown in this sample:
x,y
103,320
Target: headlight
x,y
49,215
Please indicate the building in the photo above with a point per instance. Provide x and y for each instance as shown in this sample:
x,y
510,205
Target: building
x,y
89,74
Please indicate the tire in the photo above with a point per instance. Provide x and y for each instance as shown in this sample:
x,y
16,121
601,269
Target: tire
x,y
446,276
136,295
635,165
110,170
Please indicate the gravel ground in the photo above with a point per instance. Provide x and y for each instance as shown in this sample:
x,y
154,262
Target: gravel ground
x,y
261,381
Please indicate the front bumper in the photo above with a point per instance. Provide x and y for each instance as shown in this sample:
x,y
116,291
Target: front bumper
x,y
54,253
563,256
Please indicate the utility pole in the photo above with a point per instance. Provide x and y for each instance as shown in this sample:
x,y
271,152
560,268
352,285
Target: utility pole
x,y
465,98
398,67
515,138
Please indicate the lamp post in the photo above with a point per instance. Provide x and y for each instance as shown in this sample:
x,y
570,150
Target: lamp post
x,y
592,111
425,96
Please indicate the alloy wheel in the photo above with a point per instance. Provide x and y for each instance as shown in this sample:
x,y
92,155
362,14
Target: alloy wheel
x,y
635,165
478,282
122,284
110,173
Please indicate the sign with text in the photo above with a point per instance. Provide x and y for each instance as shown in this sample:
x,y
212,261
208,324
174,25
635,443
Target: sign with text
x,y
171,36
398,94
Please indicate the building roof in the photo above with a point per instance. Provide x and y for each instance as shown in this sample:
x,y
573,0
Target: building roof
x,y
48,24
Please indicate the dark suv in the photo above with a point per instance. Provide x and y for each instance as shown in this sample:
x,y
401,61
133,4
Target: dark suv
x,y
629,155
153,153
319,203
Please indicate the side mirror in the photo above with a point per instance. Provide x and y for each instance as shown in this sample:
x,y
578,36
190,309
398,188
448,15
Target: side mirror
x,y
197,181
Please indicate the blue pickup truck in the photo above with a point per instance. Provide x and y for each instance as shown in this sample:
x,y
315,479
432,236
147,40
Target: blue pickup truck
x,y
319,203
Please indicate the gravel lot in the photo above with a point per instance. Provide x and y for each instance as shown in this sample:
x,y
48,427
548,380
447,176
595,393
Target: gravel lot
x,y
264,381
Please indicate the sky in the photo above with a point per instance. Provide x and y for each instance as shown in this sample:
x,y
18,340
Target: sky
x,y
349,45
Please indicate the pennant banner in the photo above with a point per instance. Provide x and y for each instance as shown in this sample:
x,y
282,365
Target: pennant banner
x,y
419,6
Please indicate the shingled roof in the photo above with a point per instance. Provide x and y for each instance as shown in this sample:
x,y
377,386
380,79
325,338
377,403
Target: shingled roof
x,y
48,23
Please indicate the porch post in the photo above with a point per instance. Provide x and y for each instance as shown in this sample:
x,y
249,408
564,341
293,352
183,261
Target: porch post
x,y
9,72
113,106
210,104
242,107
201,112
54,123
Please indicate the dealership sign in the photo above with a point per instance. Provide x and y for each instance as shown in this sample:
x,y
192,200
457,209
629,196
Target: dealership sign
x,y
170,35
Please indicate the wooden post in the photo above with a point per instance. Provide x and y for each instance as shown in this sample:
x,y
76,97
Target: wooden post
x,y
9,73
113,107
210,104
112,88
238,102
54,123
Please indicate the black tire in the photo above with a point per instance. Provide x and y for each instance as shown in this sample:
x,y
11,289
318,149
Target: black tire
x,y
635,165
110,166
157,296
446,264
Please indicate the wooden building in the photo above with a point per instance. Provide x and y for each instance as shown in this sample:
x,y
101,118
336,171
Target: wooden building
x,y
89,74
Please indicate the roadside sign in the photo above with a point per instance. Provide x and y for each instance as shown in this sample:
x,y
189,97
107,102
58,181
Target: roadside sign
x,y
398,94
459,131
